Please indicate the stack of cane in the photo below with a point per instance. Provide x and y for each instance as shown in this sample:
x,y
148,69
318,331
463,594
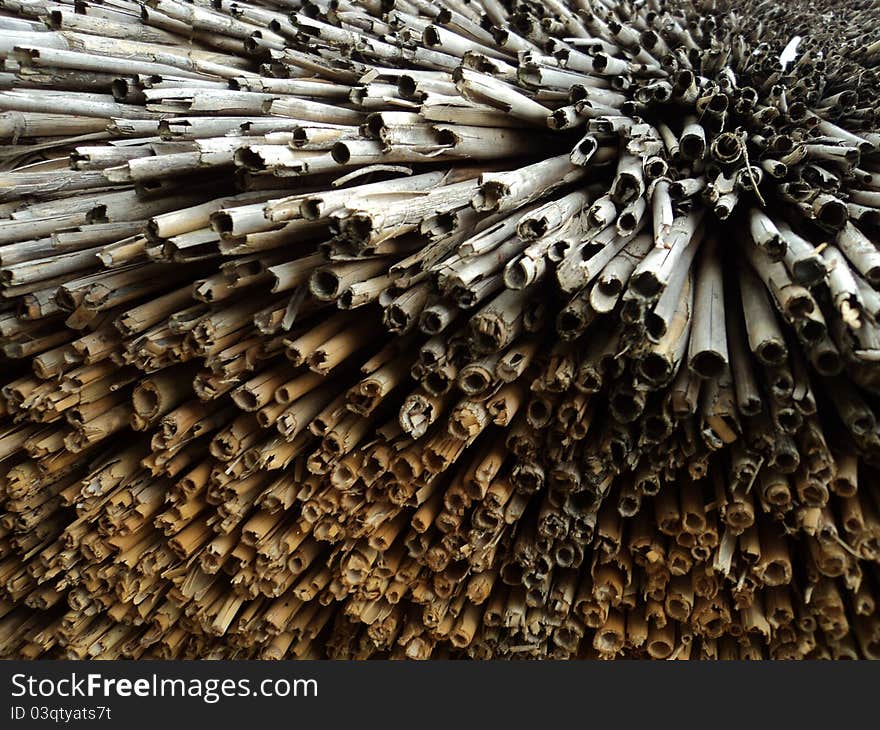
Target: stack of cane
x,y
455,329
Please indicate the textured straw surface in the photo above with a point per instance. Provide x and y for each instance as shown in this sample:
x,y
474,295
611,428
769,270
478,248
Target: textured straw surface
x,y
471,328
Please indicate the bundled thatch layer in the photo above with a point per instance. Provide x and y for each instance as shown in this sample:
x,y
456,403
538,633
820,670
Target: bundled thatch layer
x,y
461,328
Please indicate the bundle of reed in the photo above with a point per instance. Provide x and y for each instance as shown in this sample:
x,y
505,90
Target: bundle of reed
x,y
469,328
